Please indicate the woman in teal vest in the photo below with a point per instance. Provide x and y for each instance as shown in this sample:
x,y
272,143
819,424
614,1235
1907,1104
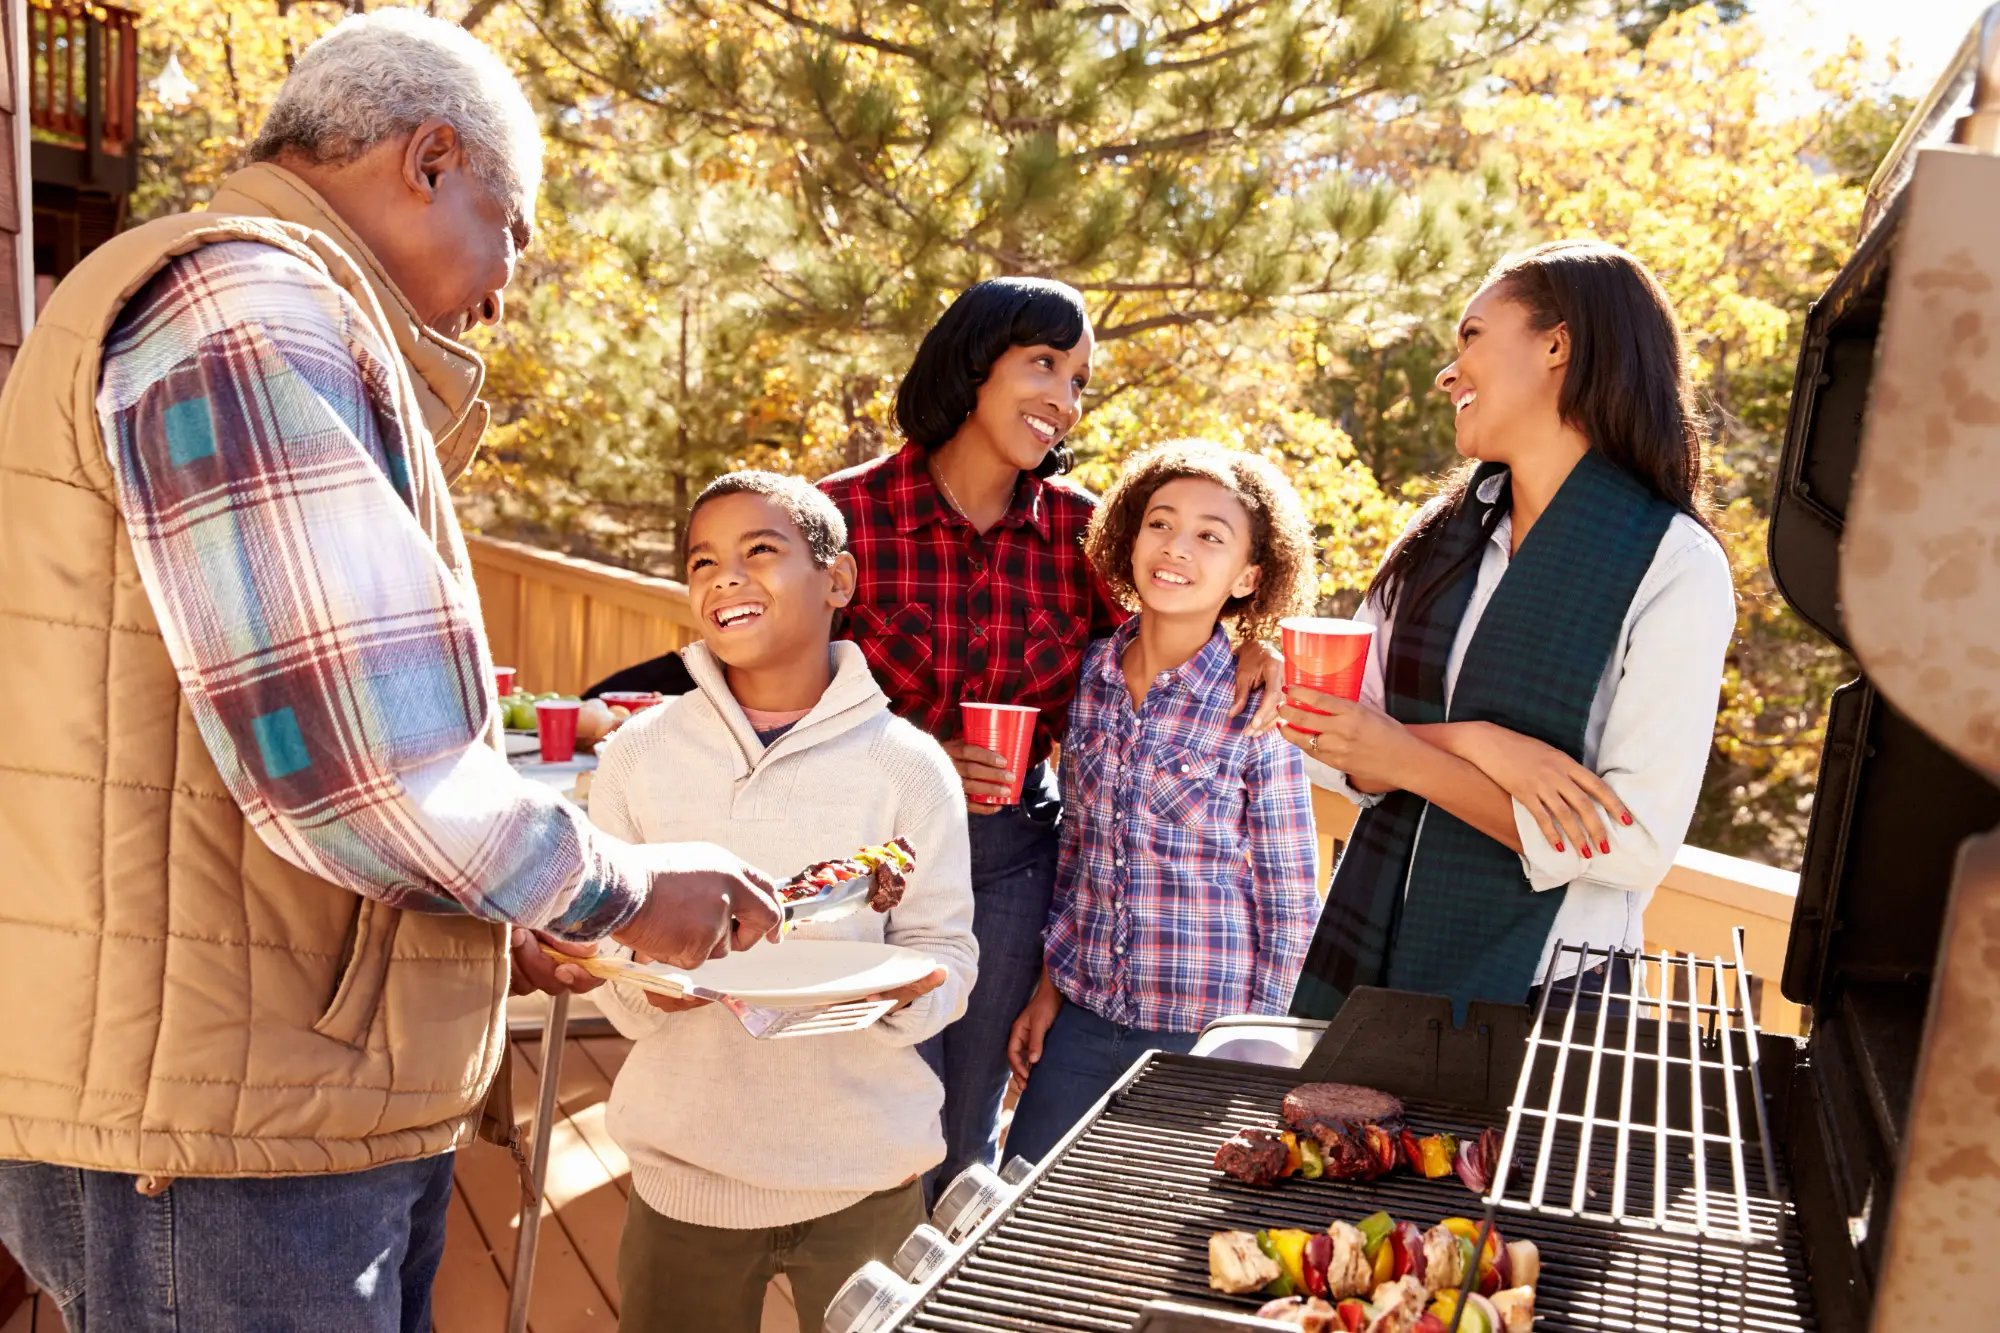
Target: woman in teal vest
x,y
1541,693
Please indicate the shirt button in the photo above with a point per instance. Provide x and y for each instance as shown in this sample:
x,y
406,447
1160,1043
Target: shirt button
x,y
1185,768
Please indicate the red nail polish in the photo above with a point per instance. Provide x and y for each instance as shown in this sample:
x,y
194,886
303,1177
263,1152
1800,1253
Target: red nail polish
x,y
1604,846
1586,851
1627,819
1559,845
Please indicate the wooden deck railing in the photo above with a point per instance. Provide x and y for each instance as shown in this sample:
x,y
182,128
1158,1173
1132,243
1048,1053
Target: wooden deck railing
x,y
83,79
563,623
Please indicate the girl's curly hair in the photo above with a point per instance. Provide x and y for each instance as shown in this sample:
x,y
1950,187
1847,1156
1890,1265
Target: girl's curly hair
x,y
1281,539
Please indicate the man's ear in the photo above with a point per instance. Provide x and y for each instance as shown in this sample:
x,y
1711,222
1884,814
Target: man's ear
x,y
434,149
1246,582
1558,347
845,575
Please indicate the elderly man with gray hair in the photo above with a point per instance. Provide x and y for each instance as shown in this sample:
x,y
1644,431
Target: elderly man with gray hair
x,y
266,876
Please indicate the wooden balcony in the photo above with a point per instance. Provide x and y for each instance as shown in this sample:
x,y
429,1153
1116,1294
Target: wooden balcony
x,y
83,107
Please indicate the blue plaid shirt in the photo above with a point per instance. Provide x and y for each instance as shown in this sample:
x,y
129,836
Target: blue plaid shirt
x,y
336,669
1185,891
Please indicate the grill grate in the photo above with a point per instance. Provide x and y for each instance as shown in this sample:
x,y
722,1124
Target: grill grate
x,y
1599,1081
1120,1215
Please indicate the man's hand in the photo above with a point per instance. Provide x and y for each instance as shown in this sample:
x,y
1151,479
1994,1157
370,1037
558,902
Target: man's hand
x,y
902,995
534,970
984,773
701,902
1257,664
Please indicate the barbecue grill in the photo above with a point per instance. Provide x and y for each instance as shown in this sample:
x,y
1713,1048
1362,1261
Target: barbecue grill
x,y
1680,1170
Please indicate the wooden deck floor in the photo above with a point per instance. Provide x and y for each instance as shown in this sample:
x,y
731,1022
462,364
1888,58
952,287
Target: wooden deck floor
x,y
576,1271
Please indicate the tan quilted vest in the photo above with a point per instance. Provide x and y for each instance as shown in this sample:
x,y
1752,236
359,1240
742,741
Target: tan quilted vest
x,y
175,999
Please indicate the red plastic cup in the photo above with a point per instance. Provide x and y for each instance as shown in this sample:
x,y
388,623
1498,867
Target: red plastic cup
x,y
1327,655
1006,729
503,681
632,701
555,720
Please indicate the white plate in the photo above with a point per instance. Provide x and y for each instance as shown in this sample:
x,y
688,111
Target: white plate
x,y
799,973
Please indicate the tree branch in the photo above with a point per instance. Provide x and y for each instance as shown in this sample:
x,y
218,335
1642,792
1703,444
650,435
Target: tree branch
x,y
1222,20
847,36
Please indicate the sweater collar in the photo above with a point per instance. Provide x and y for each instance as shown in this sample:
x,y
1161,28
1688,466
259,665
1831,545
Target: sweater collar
x,y
448,373
851,698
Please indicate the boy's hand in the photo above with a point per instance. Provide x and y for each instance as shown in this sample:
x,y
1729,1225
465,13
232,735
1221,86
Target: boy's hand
x,y
902,995
673,1004
667,1004
1257,664
1024,1042
984,773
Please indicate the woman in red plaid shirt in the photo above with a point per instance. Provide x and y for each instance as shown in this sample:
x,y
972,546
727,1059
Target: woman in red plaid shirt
x,y
974,588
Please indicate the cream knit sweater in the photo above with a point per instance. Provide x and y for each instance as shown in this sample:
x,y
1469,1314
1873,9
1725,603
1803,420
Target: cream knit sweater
x,y
725,1131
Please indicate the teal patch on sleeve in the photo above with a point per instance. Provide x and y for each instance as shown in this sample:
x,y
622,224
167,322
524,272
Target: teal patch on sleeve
x,y
190,433
281,744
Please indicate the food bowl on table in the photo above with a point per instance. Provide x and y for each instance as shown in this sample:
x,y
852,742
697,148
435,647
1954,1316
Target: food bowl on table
x,y
632,701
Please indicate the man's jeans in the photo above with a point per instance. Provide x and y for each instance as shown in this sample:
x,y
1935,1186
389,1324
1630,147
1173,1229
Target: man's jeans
x,y
351,1253
1013,879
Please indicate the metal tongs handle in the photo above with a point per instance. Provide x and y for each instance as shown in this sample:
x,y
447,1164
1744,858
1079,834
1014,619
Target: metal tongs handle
x,y
843,899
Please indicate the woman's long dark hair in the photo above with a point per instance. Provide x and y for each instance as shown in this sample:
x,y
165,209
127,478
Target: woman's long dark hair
x,y
1625,389
941,388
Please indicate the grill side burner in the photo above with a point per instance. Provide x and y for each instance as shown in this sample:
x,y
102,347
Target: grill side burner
x,y
1121,1213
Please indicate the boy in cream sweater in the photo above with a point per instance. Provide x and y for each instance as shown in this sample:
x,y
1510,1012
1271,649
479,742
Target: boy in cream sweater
x,y
802,1155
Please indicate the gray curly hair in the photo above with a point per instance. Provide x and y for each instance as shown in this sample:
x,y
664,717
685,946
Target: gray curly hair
x,y
375,76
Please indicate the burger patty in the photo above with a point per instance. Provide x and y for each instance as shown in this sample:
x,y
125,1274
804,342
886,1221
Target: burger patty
x,y
1326,1110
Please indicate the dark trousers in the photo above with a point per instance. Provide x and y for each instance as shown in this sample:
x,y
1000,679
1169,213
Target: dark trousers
x,y
1013,880
1586,993
675,1277
1082,1056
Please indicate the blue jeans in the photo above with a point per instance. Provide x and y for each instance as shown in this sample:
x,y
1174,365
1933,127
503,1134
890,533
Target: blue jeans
x,y
1013,880
1585,994
309,1254
1083,1054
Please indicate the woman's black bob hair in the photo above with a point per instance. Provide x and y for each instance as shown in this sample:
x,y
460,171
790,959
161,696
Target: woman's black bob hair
x,y
942,385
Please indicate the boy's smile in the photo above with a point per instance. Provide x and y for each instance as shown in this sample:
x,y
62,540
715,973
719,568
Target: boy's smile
x,y
764,605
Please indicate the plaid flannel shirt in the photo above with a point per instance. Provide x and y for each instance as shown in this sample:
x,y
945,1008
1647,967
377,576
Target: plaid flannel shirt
x,y
945,614
335,667
1185,887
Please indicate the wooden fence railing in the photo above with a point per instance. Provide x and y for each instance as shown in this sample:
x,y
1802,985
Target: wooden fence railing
x,y
563,623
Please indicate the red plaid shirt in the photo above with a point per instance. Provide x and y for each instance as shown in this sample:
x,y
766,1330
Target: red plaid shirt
x,y
946,614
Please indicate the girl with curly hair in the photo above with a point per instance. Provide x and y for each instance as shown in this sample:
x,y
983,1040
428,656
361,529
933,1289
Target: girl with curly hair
x,y
1184,885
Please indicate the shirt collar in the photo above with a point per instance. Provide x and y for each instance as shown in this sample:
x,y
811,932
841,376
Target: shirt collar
x,y
915,499
1489,493
1207,669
